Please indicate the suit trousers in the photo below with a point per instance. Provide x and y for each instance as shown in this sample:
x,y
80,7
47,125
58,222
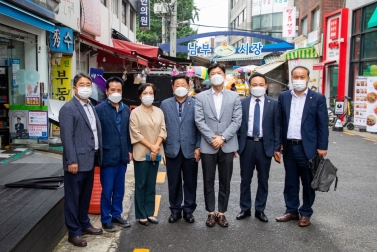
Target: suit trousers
x,y
145,188
296,166
254,157
178,169
77,191
224,161
112,181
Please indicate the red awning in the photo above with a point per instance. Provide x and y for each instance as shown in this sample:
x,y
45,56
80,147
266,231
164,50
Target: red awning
x,y
145,50
321,65
109,49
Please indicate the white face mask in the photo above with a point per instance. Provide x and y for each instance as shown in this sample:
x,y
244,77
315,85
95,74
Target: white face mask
x,y
84,92
217,80
258,91
299,85
115,97
147,100
181,92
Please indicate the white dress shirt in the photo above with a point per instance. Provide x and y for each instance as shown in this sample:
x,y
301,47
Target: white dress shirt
x,y
297,108
218,100
92,120
251,115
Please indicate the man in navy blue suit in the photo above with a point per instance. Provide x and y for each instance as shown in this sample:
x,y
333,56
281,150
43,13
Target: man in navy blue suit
x,y
117,153
304,133
259,140
181,150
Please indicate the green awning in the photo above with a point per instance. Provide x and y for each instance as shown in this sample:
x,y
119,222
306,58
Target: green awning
x,y
373,20
302,53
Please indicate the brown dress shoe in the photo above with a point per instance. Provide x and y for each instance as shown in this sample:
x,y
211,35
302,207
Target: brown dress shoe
x,y
304,221
287,217
92,231
211,220
77,241
222,221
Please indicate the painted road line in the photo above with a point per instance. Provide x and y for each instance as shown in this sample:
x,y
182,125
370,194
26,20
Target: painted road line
x,y
141,250
349,133
161,177
157,204
370,139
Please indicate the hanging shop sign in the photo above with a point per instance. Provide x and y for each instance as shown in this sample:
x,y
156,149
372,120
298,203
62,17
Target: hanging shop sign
x,y
61,71
333,41
289,22
144,14
91,17
61,40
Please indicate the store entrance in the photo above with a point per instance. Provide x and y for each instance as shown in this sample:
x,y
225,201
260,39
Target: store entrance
x,y
332,84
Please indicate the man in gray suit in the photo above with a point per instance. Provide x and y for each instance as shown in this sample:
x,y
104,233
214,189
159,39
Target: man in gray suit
x,y
181,150
218,116
80,131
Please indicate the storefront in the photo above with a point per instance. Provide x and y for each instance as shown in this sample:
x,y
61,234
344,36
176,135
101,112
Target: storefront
x,y
24,74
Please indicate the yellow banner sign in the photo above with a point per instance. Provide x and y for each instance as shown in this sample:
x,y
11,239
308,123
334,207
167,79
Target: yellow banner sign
x,y
61,71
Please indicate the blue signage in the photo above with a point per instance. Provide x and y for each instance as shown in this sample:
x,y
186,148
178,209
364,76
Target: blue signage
x,y
255,48
61,40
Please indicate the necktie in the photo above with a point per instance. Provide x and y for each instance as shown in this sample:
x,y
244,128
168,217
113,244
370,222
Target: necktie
x,y
256,119
90,117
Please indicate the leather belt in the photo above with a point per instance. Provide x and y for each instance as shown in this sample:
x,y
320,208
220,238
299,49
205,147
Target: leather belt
x,y
294,141
255,139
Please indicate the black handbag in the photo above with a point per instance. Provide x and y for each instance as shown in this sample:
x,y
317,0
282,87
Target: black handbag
x,y
313,165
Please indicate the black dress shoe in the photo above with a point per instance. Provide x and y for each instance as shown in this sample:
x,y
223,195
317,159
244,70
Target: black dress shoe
x,y
92,231
121,222
152,220
144,223
77,241
108,227
174,217
243,214
261,216
189,217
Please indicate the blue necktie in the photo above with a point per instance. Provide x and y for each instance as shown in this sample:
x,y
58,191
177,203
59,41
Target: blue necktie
x,y
256,119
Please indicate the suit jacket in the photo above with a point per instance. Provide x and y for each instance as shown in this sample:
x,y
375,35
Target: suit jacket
x,y
77,136
227,125
116,144
20,127
314,122
181,134
271,122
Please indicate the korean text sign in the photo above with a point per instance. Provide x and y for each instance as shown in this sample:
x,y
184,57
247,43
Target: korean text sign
x,y
61,78
61,40
38,125
144,17
289,22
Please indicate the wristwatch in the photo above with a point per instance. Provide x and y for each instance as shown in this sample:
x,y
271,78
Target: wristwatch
x,y
222,137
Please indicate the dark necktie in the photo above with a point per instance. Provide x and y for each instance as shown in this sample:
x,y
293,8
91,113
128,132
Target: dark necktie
x,y
256,119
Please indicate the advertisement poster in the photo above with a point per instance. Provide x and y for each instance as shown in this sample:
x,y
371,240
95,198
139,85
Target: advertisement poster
x,y
38,125
32,95
371,98
360,104
18,120
15,68
61,71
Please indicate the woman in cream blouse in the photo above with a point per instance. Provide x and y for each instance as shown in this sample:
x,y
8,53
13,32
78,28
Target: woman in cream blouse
x,y
147,130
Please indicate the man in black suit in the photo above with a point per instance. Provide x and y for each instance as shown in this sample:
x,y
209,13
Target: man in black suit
x,y
259,141
19,126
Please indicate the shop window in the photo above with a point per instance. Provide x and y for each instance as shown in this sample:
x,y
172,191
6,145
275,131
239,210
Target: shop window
x,y
355,47
315,19
124,13
369,68
356,21
369,45
368,13
114,7
304,26
256,25
132,22
266,21
277,21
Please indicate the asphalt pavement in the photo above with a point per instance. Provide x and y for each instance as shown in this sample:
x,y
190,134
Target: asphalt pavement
x,y
343,220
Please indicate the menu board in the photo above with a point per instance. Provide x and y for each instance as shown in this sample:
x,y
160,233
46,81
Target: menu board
x,y
360,103
371,98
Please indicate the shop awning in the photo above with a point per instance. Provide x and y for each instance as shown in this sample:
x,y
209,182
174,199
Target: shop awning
x,y
15,12
146,50
373,20
268,67
321,65
108,49
242,56
302,53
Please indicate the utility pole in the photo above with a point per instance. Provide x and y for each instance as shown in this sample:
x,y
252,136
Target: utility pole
x,y
173,29
163,37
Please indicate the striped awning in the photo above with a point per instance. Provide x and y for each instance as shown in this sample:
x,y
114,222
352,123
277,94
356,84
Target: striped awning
x,y
302,53
242,56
